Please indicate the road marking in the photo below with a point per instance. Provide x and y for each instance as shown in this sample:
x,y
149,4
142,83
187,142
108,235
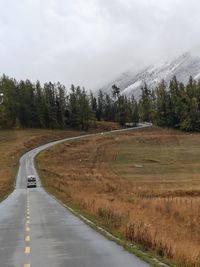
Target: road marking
x,y
27,250
27,238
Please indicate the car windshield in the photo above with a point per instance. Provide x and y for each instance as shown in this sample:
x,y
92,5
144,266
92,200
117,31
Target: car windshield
x,y
31,179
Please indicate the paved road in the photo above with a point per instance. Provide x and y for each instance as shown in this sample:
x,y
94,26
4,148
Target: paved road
x,y
36,231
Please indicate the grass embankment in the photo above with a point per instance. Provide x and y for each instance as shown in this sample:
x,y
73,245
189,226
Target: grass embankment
x,y
143,186
13,143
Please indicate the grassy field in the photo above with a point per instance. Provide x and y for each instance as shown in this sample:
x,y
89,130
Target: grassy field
x,y
13,143
143,186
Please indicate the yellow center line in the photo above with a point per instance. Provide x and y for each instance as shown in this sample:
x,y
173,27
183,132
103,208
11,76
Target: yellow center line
x,y
27,250
27,238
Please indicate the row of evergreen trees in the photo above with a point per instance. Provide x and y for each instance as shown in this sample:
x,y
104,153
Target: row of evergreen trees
x,y
175,106
51,106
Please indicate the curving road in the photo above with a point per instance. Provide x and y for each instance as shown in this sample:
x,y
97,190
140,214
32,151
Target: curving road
x,y
36,231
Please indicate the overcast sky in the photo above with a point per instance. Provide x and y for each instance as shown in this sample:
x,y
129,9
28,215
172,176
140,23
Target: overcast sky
x,y
89,42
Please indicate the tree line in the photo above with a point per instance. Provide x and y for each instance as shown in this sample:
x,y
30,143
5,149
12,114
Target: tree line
x,y
52,106
175,105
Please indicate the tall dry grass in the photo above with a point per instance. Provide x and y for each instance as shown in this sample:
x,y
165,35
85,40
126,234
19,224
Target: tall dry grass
x,y
158,209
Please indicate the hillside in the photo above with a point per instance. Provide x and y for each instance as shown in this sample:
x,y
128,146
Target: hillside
x,y
185,65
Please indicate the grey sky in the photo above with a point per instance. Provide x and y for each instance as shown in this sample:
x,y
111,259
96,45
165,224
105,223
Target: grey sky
x,y
89,42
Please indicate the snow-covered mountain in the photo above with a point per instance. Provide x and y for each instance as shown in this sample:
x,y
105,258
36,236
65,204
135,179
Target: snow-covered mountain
x,y
183,66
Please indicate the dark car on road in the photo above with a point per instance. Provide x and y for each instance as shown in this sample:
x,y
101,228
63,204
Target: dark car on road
x,y
31,181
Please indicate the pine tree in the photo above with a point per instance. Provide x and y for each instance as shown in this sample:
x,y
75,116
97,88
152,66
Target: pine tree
x,y
115,92
85,112
93,103
161,104
61,105
108,109
146,104
40,105
135,116
101,105
10,107
176,107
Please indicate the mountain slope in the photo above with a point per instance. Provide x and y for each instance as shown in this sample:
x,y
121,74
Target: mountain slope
x,y
188,64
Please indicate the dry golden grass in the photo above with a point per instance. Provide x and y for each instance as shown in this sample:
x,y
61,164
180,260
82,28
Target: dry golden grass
x,y
13,143
143,185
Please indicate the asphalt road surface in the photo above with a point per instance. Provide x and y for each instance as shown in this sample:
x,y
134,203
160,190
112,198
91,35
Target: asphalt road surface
x,y
37,231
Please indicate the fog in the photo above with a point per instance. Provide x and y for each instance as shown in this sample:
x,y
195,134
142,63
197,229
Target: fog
x,y
90,42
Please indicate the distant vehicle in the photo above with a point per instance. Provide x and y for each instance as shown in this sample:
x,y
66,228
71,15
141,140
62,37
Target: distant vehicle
x,y
31,181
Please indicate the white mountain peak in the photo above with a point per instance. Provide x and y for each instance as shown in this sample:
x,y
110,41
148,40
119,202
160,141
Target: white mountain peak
x,y
184,66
